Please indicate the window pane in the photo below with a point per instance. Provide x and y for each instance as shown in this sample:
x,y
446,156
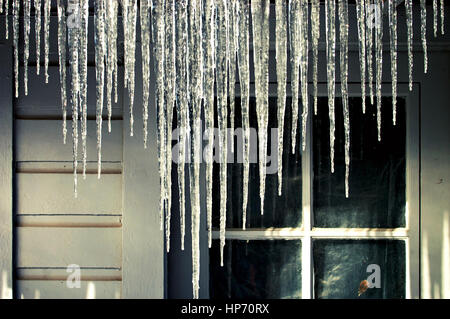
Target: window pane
x,y
256,269
279,211
377,169
341,265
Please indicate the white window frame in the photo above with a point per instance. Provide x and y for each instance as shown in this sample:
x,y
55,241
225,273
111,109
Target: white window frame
x,y
306,233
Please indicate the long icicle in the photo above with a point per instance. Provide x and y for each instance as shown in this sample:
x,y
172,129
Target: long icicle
x,y
281,65
260,19
26,40
343,39
145,51
47,8
208,102
7,18
84,21
111,56
379,64
37,29
182,105
409,26
221,80
423,33
442,17
195,78
315,35
125,5
231,65
361,17
115,49
330,17
62,42
393,44
304,29
16,10
371,20
130,53
73,47
435,17
169,86
158,47
99,75
294,40
242,15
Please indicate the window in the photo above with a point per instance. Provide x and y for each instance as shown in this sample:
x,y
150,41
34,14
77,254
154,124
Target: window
x,y
312,242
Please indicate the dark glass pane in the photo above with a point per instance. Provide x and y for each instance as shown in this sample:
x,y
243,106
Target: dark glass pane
x,y
341,265
256,269
377,169
279,211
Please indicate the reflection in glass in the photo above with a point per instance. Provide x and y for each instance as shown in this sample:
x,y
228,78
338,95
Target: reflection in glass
x,y
341,266
256,269
377,169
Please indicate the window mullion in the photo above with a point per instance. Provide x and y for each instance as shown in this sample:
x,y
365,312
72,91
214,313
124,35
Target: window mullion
x,y
307,290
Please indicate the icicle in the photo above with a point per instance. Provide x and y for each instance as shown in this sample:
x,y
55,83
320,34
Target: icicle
x,y
281,65
16,10
26,40
145,40
371,20
295,49
182,104
315,35
361,17
196,93
442,17
47,8
242,18
423,33
435,17
221,78
84,20
158,30
37,27
99,24
130,50
304,29
169,86
208,102
1,6
74,48
111,56
330,17
129,13
231,61
62,34
343,39
6,18
409,25
379,64
260,19
393,42
113,52
124,4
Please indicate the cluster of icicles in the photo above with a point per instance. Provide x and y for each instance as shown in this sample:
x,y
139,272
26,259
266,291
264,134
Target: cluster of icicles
x,y
197,43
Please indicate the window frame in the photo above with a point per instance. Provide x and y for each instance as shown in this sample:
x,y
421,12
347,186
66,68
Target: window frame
x,y
410,234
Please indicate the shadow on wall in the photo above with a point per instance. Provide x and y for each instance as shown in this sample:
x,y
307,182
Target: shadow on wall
x,y
431,288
